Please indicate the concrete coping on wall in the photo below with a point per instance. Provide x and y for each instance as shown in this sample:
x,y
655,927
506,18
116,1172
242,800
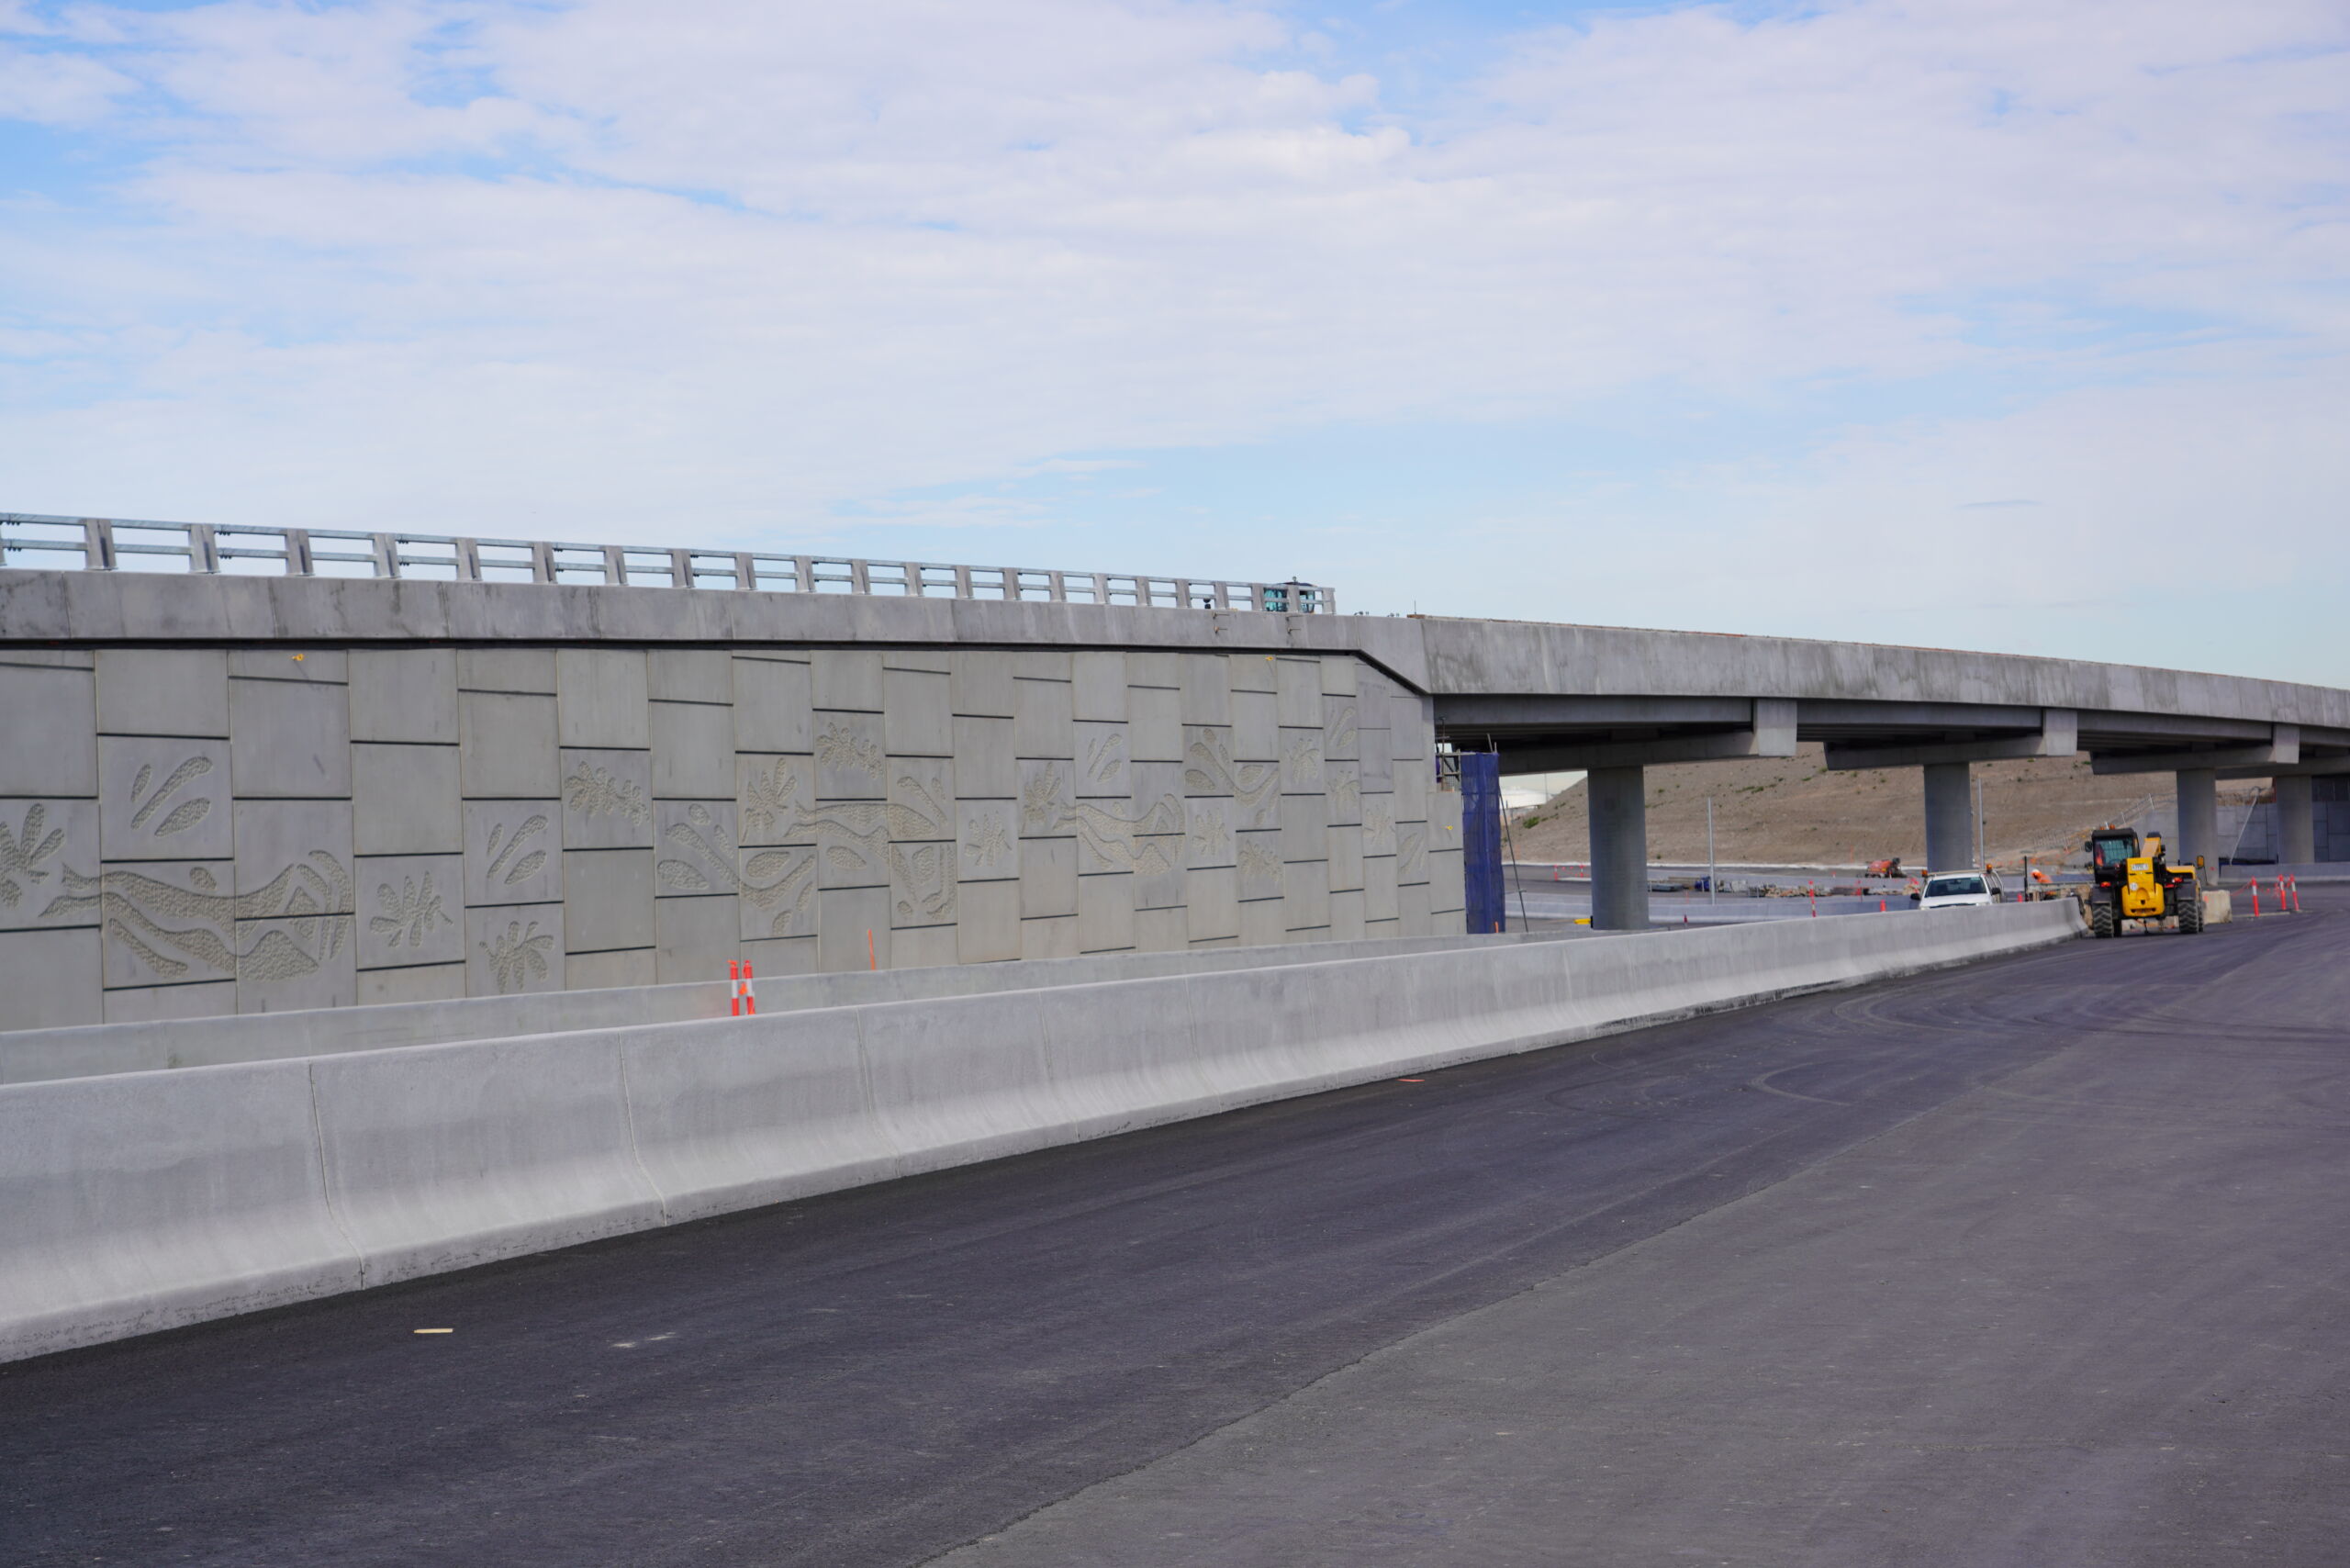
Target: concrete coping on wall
x,y
33,1056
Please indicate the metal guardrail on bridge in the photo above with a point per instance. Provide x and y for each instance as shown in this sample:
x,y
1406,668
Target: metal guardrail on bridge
x,y
123,543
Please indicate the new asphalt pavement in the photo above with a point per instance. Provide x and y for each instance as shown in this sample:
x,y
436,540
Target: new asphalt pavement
x,y
2043,1261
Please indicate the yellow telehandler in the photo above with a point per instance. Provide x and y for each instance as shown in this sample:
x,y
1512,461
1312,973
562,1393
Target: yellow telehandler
x,y
2134,886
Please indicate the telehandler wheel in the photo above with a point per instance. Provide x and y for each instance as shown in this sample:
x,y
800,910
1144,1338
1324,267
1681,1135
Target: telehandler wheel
x,y
2191,912
2100,920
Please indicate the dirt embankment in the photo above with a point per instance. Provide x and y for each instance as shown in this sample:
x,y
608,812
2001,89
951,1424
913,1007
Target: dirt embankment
x,y
1791,811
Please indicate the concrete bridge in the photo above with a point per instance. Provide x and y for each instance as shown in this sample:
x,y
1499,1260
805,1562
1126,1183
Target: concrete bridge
x,y
231,791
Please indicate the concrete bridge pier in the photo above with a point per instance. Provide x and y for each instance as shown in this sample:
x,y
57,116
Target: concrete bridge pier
x,y
2296,820
1619,848
1950,815
2199,820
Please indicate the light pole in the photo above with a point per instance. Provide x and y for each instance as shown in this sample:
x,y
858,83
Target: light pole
x,y
1712,874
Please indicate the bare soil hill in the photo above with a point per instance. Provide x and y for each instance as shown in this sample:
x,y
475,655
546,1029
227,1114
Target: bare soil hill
x,y
1791,811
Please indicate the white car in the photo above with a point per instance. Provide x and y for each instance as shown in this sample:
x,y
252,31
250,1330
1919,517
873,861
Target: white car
x,y
1958,890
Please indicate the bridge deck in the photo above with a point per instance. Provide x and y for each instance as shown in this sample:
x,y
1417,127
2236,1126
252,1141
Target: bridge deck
x,y
2033,1262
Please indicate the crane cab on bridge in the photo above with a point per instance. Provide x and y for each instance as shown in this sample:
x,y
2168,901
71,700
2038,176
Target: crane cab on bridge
x,y
2133,885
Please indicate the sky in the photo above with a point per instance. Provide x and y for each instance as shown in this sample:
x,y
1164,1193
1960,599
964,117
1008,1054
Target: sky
x,y
2015,326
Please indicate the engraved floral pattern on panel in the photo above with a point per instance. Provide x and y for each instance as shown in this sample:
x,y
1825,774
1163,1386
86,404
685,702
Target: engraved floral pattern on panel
x,y
155,918
408,913
518,955
23,852
595,792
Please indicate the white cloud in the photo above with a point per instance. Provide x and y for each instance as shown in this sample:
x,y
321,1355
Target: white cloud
x,y
613,264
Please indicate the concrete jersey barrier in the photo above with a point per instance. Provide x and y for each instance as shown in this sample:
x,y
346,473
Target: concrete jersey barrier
x,y
140,1201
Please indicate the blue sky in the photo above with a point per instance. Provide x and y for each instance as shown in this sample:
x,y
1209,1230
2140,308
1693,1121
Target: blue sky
x,y
1902,321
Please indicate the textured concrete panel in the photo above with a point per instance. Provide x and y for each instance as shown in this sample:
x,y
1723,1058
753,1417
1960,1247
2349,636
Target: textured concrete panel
x,y
779,959
404,694
1150,669
986,839
607,900
986,761
31,657
47,741
1444,817
1341,725
1341,676
1377,761
1305,894
1043,724
1155,723
1412,719
510,950
305,843
1263,924
430,982
694,938
696,852
411,911
1255,672
1207,688
778,893
1300,692
513,852
987,930
852,929
1379,825
1346,859
916,718
1105,914
1347,916
168,923
1160,930
1158,786
506,746
773,796
693,751
1043,664
286,965
1301,761
163,691
1411,853
48,980
40,841
1446,890
1050,938
1048,877
608,801
1304,828
1382,930
852,841
981,684
404,799
1413,787
289,739
1256,729
1342,787
164,799
283,661
1212,904
151,1004
937,661
601,699
608,970
922,798
922,884
1159,875
1258,857
848,678
1045,799
1379,888
1103,758
850,760
1100,682
1209,839
689,674
923,947
530,670
774,706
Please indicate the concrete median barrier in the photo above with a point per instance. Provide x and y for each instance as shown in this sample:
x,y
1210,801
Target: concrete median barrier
x,y
137,1200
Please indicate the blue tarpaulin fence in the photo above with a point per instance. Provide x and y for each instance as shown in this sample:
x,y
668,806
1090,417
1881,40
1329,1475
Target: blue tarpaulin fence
x,y
1480,840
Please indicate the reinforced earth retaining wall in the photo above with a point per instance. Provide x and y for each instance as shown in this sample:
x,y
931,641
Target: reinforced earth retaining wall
x,y
140,1201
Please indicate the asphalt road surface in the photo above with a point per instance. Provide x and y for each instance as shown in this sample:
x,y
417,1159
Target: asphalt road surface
x,y
2045,1261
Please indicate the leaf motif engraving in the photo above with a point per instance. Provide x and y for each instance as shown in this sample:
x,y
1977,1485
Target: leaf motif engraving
x,y
183,817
